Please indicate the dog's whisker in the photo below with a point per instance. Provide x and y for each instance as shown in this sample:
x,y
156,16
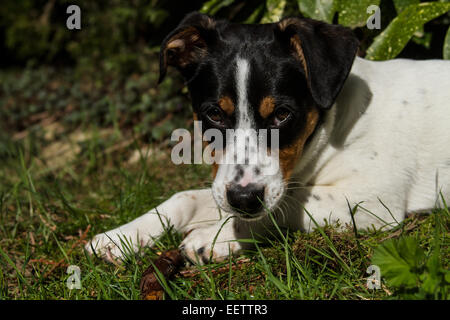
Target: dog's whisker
x,y
296,188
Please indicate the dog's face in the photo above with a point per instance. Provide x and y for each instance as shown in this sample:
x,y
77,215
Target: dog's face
x,y
280,77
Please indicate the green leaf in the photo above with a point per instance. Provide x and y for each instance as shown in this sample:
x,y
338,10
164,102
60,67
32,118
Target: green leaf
x,y
431,278
255,14
420,37
354,13
318,9
213,6
447,276
399,261
275,9
401,5
393,39
446,50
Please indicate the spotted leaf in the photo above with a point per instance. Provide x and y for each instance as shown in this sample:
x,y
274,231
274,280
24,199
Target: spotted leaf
x,y
354,13
394,38
323,10
275,9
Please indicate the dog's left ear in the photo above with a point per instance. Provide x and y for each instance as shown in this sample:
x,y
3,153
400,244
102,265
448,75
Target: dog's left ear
x,y
325,51
185,46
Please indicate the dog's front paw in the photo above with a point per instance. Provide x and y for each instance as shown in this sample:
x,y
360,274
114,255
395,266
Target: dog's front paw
x,y
199,245
112,246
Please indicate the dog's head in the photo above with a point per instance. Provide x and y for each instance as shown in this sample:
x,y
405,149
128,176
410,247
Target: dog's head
x,y
280,76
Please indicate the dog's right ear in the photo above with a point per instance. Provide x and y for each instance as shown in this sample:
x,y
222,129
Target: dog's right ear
x,y
185,46
325,51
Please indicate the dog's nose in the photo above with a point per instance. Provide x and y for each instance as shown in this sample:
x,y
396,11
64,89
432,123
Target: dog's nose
x,y
247,200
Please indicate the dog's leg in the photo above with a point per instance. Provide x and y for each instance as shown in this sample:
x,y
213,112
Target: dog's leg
x,y
185,210
321,205
218,241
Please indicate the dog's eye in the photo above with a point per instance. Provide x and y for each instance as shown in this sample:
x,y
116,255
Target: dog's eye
x,y
280,116
215,115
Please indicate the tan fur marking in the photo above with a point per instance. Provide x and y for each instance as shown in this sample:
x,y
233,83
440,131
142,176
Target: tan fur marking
x,y
210,23
215,166
226,104
297,45
177,43
290,154
188,47
295,40
266,106
287,22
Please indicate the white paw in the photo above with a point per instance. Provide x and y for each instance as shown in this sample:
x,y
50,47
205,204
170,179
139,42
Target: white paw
x,y
198,246
113,246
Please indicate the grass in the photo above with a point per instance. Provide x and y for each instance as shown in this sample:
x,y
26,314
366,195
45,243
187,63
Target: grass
x,y
57,190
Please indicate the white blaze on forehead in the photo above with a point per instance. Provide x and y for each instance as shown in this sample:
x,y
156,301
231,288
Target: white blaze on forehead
x,y
243,110
243,138
246,148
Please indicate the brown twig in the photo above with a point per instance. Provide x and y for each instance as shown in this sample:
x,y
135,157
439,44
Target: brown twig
x,y
32,241
48,8
410,226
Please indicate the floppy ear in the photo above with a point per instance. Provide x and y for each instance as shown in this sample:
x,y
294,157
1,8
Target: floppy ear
x,y
325,51
187,44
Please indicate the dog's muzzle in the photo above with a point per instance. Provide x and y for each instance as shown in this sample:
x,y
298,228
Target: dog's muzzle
x,y
247,201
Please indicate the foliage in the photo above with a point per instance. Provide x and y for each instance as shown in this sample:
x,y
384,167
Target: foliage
x,y
393,39
274,11
32,100
447,45
354,13
116,35
413,272
323,10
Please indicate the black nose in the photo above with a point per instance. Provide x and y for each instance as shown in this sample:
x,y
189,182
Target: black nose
x,y
248,199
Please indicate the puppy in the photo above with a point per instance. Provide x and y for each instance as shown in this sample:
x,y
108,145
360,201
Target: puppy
x,y
354,135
